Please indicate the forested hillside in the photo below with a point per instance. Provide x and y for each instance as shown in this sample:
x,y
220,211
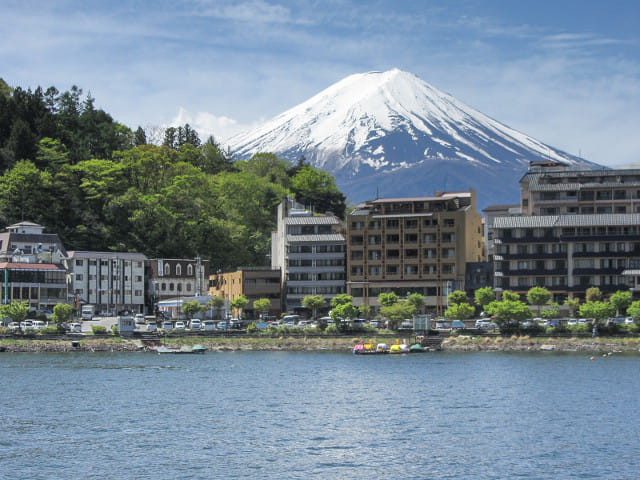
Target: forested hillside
x,y
101,186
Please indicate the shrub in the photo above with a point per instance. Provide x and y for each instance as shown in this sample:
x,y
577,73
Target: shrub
x,y
5,331
580,328
332,330
52,330
252,328
98,329
114,329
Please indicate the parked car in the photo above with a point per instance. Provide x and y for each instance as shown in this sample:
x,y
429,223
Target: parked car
x,y
442,325
13,326
152,327
208,325
27,324
179,325
222,325
75,328
375,324
628,320
195,324
139,318
457,324
572,321
167,325
482,323
235,324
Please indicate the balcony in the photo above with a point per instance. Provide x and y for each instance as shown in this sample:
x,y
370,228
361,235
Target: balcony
x,y
528,239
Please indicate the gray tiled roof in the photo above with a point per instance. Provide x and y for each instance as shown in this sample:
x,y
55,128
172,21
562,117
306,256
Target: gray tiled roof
x,y
311,220
537,181
606,219
324,238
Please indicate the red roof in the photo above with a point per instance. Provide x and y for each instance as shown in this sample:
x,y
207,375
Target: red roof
x,y
29,266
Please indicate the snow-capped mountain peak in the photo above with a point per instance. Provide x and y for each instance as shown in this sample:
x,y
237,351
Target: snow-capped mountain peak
x,y
382,122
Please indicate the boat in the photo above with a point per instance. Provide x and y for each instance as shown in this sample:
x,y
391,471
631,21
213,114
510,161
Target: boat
x,y
399,347
364,348
417,348
183,350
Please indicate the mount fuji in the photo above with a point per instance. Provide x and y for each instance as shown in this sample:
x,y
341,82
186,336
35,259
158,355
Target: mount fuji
x,y
391,134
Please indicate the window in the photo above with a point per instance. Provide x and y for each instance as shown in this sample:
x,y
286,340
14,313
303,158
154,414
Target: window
x,y
394,238
430,238
392,269
374,255
375,270
178,270
167,269
357,225
411,253
190,270
411,269
374,225
79,263
138,293
357,255
411,223
393,223
449,222
393,253
356,270
411,238
79,277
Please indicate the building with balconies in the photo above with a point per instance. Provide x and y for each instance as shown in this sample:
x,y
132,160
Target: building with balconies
x,y
567,254
413,245
578,229
310,251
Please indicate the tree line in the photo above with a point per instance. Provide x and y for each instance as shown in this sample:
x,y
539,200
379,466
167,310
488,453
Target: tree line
x,y
101,186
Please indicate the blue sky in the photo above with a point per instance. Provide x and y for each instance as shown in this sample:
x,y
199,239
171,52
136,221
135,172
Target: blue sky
x,y
565,72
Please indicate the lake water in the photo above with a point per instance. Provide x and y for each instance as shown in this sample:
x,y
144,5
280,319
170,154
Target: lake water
x,y
319,415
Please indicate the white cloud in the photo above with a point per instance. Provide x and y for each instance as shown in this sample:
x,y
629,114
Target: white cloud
x,y
207,124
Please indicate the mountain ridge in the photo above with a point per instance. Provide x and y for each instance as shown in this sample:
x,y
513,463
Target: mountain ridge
x,y
393,131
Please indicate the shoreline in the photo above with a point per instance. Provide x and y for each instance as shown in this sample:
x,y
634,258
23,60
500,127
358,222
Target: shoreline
x,y
462,343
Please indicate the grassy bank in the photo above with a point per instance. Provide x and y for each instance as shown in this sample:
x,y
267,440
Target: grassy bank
x,y
315,343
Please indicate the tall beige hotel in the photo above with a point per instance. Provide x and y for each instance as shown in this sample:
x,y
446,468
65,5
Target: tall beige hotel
x,y
413,245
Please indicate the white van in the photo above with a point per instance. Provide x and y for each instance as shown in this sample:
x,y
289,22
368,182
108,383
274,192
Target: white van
x,y
290,318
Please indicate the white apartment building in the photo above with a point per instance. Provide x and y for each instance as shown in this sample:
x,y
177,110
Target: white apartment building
x,y
112,281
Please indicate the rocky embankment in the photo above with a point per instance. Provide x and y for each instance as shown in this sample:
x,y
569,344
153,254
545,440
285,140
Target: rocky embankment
x,y
460,343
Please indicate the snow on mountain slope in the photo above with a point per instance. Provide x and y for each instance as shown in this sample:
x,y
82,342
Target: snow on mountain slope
x,y
376,128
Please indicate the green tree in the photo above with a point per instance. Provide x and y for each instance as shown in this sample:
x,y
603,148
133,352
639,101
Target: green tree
x,y
313,303
508,313
343,312
550,311
191,308
484,296
538,296
593,294
634,309
459,311
621,301
216,302
417,301
397,312
62,313
341,299
457,296
600,311
573,304
386,299
317,188
238,304
16,311
365,310
511,296
262,305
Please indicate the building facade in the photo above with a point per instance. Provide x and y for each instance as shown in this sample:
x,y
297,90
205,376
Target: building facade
x,y
31,266
112,281
310,252
579,229
252,282
413,245
174,278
